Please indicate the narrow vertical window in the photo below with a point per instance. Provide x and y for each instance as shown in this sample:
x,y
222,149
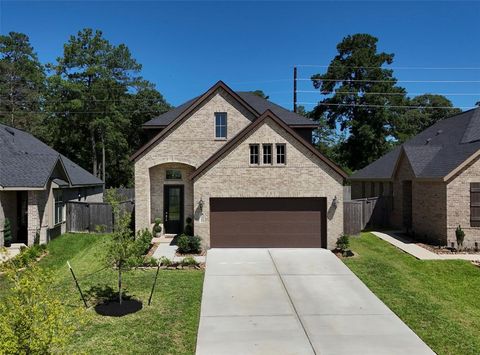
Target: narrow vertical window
x,y
474,204
267,154
58,206
254,159
220,125
280,153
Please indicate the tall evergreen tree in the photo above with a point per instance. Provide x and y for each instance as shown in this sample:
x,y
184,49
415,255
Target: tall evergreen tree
x,y
98,100
361,96
22,82
426,110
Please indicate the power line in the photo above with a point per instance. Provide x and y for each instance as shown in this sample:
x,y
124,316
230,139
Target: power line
x,y
396,68
391,81
388,106
389,93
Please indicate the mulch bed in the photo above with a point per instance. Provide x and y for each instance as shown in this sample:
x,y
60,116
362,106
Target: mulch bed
x,y
340,255
446,250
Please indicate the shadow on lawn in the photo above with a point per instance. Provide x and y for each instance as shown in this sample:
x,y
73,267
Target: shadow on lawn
x,y
106,302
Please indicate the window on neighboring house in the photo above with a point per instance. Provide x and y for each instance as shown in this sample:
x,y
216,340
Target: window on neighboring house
x,y
380,189
174,175
254,154
363,189
267,154
372,189
475,204
220,125
59,206
280,153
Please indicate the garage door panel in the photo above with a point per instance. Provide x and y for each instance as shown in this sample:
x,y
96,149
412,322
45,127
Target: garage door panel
x,y
237,223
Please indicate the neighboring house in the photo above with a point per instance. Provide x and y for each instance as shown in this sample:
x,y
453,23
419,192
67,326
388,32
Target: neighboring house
x,y
434,179
35,183
244,169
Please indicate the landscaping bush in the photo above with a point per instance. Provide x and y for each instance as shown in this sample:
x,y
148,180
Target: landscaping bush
x,y
7,233
164,261
27,256
189,261
143,240
150,261
188,230
460,234
343,243
157,228
189,244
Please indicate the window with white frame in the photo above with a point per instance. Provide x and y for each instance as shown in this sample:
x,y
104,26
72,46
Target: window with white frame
x,y
220,125
59,206
281,153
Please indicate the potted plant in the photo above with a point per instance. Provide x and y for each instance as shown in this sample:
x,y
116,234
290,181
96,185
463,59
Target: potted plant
x,y
460,234
7,233
157,227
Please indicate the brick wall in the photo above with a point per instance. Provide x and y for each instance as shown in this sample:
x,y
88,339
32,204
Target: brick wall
x,y
8,209
458,204
304,175
191,143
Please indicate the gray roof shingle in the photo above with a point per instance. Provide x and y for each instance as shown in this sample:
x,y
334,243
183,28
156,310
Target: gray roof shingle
x,y
26,161
258,103
434,152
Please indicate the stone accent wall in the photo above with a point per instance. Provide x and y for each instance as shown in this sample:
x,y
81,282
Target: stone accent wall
x,y
158,180
458,204
191,143
304,175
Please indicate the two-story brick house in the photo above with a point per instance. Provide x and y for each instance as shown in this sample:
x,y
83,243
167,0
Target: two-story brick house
x,y
243,169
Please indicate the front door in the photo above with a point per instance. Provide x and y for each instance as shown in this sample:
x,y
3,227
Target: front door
x,y
173,208
22,214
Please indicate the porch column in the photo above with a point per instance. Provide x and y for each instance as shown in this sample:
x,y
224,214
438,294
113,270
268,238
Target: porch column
x,y
37,216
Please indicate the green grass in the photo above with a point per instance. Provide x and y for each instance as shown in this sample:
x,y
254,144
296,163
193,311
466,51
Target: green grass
x,y
168,326
438,300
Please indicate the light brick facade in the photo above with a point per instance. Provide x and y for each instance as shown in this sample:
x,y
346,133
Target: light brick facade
x,y
438,207
192,143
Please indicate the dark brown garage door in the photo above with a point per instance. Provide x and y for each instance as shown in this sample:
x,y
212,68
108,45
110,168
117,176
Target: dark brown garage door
x,y
268,222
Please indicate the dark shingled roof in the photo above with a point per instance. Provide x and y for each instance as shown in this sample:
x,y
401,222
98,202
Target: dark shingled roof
x,y
258,103
25,161
433,153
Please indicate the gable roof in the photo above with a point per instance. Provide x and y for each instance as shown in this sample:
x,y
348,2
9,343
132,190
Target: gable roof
x,y
219,154
258,103
434,153
28,162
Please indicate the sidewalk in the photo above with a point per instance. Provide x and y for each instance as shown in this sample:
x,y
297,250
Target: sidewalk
x,y
419,252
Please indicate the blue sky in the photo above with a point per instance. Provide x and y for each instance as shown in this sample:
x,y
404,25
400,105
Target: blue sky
x,y
185,47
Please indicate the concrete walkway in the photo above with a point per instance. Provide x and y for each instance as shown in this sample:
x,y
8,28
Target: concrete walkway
x,y
11,251
294,301
419,252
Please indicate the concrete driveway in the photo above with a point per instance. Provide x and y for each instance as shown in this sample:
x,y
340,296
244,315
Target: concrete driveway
x,y
294,301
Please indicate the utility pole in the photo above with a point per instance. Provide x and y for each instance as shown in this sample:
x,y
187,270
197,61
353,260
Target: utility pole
x,y
295,89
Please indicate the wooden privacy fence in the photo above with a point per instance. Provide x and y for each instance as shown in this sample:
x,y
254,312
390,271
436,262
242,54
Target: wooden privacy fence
x,y
92,216
372,212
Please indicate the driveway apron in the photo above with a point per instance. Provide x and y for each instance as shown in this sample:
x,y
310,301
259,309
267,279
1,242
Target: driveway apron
x,y
294,301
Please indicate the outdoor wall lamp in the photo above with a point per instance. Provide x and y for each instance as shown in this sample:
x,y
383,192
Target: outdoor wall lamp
x,y
200,204
334,202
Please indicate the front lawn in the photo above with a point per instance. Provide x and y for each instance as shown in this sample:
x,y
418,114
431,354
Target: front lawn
x,y
169,325
438,300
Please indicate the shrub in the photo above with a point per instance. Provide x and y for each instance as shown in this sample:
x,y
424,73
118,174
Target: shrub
x,y
143,240
7,233
343,243
460,234
164,261
36,239
188,230
183,244
189,244
189,261
157,228
149,261
27,256
33,318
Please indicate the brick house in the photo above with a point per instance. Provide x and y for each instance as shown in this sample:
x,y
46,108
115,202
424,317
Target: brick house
x,y
35,183
434,179
243,169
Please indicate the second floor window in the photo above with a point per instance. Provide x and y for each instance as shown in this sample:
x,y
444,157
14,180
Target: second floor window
x,y
280,153
267,154
220,125
254,159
